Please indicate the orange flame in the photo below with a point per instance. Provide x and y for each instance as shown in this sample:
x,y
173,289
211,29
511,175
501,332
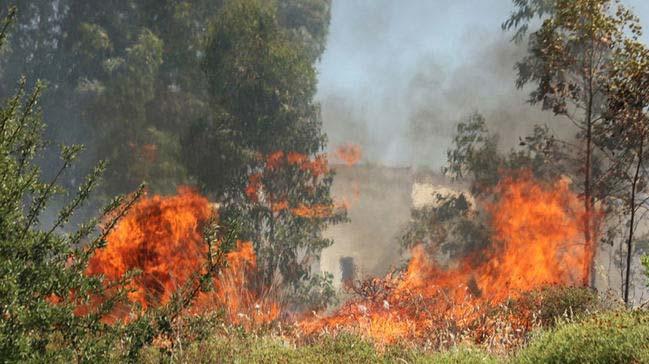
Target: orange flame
x,y
275,162
161,237
537,241
234,293
313,211
349,153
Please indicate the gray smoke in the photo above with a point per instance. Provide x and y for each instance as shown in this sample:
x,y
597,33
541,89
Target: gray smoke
x,y
397,76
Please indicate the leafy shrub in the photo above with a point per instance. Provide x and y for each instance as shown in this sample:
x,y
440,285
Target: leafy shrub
x,y
553,303
45,297
612,337
239,347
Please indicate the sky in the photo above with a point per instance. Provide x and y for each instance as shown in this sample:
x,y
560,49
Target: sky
x,y
397,76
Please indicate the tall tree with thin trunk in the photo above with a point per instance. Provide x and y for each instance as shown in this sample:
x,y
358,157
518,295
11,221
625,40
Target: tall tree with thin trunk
x,y
567,64
627,130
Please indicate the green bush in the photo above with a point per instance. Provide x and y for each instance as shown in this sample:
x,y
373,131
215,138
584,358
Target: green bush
x,y
43,288
239,347
612,337
554,303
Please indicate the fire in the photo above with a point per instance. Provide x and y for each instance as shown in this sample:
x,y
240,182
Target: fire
x,y
234,291
349,153
252,189
537,241
162,237
313,211
278,162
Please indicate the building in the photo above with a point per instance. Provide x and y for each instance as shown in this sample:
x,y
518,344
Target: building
x,y
379,201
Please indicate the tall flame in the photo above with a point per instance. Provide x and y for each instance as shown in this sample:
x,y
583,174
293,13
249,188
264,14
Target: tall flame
x,y
162,237
537,241
235,291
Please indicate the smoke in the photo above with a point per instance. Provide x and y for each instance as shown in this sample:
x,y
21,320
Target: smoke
x,y
397,77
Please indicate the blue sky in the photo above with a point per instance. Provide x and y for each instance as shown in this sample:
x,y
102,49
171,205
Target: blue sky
x,y
398,75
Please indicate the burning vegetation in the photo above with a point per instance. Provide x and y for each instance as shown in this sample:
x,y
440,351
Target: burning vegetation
x,y
222,95
162,239
536,243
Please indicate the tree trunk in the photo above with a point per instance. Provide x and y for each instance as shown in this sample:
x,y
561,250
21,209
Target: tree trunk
x,y
629,244
588,276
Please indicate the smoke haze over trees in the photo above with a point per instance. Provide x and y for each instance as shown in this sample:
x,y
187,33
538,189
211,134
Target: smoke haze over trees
x,y
437,62
215,121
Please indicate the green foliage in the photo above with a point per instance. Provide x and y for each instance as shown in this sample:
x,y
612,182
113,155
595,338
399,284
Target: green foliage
x,y
263,80
525,11
461,354
42,280
554,304
125,78
614,337
131,85
645,264
262,85
450,226
308,21
242,348
316,294
476,155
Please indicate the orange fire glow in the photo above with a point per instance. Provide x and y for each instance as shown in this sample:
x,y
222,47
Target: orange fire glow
x,y
537,241
235,293
162,237
274,162
349,153
313,211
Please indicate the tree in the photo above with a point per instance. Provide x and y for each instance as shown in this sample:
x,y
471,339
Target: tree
x,y
567,63
129,78
475,155
136,65
262,84
627,128
453,223
308,21
42,280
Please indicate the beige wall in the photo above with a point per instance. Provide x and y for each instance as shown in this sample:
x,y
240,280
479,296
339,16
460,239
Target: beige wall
x,y
380,200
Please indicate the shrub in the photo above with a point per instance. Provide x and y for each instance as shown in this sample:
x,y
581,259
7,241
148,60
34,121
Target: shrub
x,y
239,347
612,337
554,303
45,315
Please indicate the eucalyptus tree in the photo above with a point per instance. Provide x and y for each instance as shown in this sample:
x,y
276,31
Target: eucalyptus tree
x,y
568,65
262,85
627,131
